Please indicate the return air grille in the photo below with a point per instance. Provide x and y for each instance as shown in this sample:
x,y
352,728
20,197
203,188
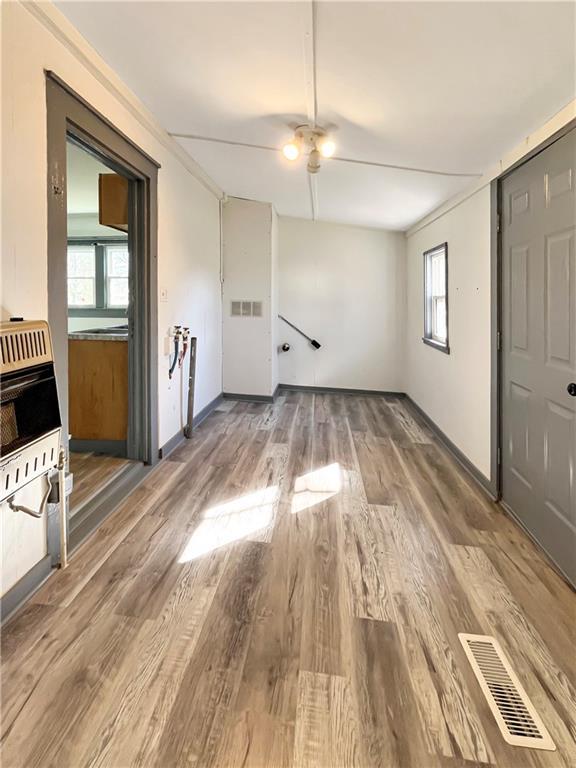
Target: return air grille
x,y
24,345
243,308
515,715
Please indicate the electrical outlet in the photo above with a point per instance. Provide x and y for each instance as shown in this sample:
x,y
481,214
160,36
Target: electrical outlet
x,y
163,294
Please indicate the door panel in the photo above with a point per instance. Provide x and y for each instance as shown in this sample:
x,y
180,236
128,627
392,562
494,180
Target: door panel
x,y
539,349
519,434
519,257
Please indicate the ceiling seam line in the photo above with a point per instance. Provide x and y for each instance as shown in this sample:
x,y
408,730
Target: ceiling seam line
x,y
314,72
374,163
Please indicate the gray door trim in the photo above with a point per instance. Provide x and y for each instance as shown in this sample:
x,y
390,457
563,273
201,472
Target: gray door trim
x,y
69,116
497,384
540,148
495,337
496,306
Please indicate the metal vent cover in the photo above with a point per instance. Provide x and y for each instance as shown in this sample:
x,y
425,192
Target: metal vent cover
x,y
515,714
23,345
245,308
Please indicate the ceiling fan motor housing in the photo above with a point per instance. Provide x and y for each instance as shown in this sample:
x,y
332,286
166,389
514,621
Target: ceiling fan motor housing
x,y
309,138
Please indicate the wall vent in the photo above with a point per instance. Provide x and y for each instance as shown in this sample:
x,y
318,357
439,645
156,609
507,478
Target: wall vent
x,y
515,715
243,308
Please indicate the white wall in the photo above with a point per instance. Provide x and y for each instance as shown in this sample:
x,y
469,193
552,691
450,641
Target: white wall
x,y
454,389
248,267
344,286
188,216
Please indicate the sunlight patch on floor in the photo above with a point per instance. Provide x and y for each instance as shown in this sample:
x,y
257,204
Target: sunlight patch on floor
x,y
317,486
232,521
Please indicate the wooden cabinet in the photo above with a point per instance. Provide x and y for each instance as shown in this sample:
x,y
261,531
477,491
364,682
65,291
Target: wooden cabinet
x,y
113,201
98,389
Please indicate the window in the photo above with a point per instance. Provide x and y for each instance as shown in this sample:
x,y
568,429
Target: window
x,y
98,278
117,275
436,297
82,276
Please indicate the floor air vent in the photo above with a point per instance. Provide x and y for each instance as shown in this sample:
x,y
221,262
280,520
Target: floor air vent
x,y
517,719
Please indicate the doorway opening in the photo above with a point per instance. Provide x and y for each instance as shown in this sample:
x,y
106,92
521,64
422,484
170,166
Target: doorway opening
x,y
99,318
102,289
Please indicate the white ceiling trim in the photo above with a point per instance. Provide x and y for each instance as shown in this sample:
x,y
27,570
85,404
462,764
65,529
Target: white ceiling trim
x,y
58,25
533,140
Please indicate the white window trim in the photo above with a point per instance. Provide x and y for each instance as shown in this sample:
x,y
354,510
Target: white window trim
x,y
429,336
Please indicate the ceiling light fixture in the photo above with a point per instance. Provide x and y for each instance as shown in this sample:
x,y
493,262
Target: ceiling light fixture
x,y
326,147
315,141
291,151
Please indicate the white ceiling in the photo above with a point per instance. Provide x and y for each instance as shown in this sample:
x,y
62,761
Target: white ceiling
x,y
446,86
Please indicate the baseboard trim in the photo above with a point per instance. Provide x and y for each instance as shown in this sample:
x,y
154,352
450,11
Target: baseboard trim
x,y
249,398
207,410
18,594
461,458
339,390
179,437
170,445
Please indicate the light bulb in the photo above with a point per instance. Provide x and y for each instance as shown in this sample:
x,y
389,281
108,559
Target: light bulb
x,y
291,151
326,147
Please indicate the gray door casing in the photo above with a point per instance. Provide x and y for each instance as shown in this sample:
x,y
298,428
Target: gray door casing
x,y
69,117
538,417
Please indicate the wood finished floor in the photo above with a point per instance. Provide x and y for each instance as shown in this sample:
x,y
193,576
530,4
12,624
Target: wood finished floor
x,y
286,590
92,471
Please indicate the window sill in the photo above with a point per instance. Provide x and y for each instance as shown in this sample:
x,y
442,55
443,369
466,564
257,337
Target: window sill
x,y
97,312
437,345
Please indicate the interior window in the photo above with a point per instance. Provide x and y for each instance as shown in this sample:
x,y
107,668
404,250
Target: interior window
x,y
98,278
436,297
117,275
82,276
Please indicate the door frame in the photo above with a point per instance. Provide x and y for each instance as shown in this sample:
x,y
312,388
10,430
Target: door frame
x,y
496,309
69,116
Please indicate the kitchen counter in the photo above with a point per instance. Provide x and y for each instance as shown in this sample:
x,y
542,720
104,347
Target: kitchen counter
x,y
88,336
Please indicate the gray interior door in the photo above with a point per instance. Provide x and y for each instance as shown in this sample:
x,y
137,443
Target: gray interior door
x,y
539,349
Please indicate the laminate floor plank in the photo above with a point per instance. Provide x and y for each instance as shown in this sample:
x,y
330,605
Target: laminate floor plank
x,y
387,710
328,731
92,471
212,677
286,589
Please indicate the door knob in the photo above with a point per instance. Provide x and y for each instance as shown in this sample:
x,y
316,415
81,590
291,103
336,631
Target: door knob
x,y
572,388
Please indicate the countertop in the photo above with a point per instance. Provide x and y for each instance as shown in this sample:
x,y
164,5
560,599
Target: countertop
x,y
88,336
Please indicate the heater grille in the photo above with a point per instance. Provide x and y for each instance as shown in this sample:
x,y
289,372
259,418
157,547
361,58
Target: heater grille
x,y
515,715
24,345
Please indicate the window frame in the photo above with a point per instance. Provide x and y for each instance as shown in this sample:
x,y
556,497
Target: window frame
x,y
101,309
84,277
427,338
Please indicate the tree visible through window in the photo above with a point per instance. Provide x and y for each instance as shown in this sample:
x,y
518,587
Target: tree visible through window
x,y
436,297
116,276
82,276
